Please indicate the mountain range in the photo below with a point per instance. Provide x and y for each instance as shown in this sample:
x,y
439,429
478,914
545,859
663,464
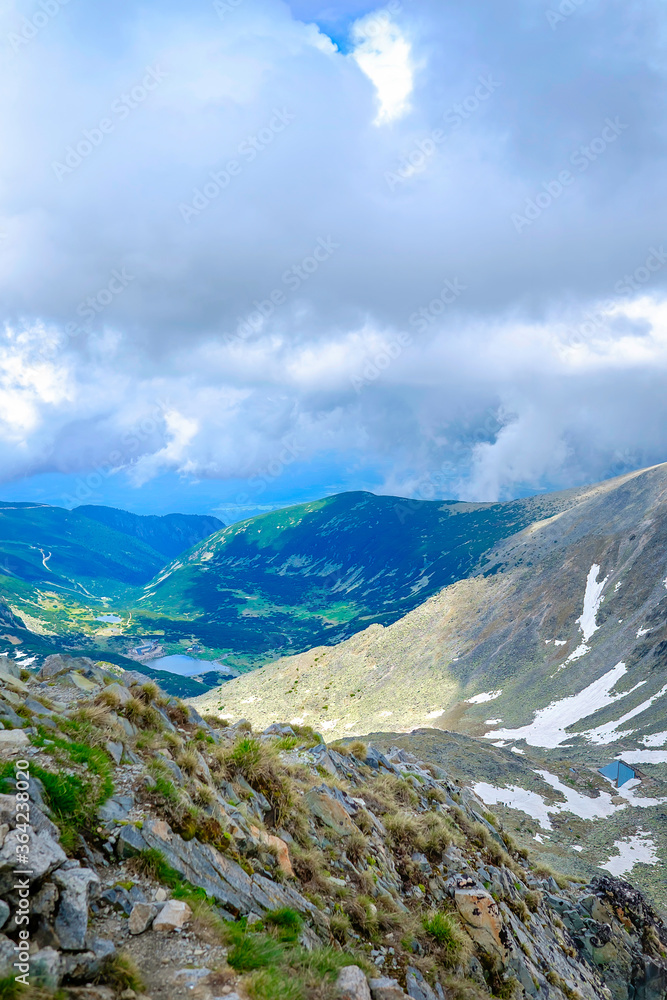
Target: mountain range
x,y
521,645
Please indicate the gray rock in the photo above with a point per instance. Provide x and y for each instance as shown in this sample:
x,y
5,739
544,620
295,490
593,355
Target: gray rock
x,y
118,899
141,917
222,878
117,808
386,989
115,751
7,954
173,916
352,984
4,913
277,729
130,842
43,904
78,886
417,986
85,965
45,852
174,769
46,968
190,978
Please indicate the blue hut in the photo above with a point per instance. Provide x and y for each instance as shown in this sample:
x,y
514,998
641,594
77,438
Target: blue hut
x,y
618,772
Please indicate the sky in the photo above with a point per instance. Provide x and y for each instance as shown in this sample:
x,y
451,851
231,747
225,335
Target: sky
x,y
255,252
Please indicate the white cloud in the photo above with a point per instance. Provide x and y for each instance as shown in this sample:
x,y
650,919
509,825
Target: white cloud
x,y
385,56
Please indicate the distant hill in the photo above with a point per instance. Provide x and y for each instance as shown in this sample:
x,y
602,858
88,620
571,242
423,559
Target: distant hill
x,y
169,534
91,550
321,572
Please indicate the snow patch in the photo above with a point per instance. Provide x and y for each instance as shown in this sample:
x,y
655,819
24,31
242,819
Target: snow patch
x,y
639,849
655,740
583,806
592,601
645,756
611,731
479,699
548,728
643,631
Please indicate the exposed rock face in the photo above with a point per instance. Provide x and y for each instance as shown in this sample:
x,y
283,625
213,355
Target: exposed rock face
x,y
142,916
352,984
311,846
78,886
172,917
483,921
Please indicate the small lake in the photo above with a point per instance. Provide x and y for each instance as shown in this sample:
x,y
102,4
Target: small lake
x,y
186,666
113,619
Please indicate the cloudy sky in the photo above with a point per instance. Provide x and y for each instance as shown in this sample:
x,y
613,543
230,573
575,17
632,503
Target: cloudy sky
x,y
254,251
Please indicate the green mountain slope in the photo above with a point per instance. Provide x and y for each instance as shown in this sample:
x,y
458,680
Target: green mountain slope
x,y
88,550
168,534
564,643
323,571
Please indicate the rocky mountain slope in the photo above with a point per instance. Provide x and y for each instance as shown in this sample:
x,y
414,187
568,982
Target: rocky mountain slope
x,y
171,856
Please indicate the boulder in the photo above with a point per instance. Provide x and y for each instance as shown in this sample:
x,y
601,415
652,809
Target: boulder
x,y
7,954
44,851
222,878
77,887
58,663
352,984
141,917
417,987
115,751
330,812
13,683
46,968
130,842
43,904
4,913
82,683
13,738
483,921
85,965
119,692
279,846
173,916
386,989
117,808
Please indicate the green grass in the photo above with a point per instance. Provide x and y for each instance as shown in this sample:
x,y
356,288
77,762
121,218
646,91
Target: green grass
x,y
153,864
446,933
72,799
278,967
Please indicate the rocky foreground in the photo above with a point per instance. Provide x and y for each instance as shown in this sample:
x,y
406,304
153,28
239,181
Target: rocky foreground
x,y
168,855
